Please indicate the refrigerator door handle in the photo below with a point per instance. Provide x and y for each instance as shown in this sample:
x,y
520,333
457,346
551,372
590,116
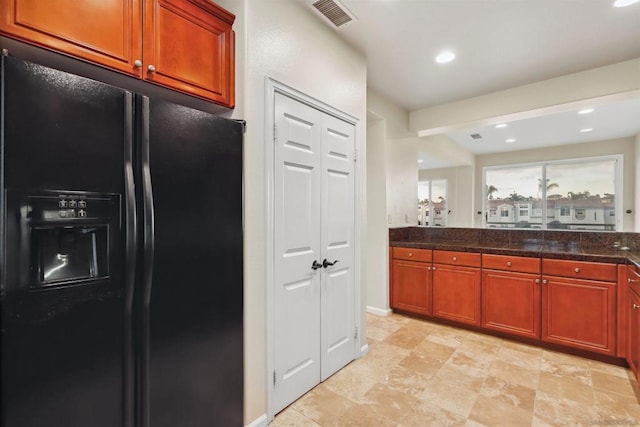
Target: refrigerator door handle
x,y
149,244
131,238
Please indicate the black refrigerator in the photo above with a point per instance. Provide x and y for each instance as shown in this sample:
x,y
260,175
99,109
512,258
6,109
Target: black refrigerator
x,y
121,257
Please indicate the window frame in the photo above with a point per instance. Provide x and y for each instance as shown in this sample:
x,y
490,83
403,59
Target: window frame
x,y
618,160
430,208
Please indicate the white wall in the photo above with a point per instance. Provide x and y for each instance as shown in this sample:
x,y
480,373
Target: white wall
x,y
637,196
283,40
624,146
402,182
611,81
460,191
377,234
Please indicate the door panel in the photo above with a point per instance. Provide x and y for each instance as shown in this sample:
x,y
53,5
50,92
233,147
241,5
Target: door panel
x,y
297,246
195,313
338,332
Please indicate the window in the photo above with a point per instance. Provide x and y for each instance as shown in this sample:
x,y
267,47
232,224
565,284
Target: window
x,y
566,194
432,197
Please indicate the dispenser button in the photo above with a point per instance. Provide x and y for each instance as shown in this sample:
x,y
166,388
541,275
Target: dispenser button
x,y
82,204
71,213
82,213
63,214
72,203
62,203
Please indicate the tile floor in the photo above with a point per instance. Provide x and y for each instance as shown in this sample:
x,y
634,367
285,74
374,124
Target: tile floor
x,y
424,374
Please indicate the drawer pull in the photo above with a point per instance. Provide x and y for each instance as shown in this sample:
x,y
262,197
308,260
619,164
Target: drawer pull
x,y
455,258
508,263
544,281
537,281
636,306
577,270
433,268
630,280
410,253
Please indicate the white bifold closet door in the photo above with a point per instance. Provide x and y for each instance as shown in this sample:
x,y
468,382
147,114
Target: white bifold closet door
x,y
314,322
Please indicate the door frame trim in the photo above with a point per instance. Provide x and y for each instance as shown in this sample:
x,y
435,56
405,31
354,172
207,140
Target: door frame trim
x,y
272,87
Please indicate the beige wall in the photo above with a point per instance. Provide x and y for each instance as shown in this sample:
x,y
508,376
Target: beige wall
x,y
283,40
624,146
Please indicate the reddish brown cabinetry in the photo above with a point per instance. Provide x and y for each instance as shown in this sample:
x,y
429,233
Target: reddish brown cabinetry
x,y
633,320
579,313
511,294
185,45
456,286
411,280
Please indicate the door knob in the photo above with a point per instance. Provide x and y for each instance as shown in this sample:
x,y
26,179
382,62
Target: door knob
x,y
316,265
326,263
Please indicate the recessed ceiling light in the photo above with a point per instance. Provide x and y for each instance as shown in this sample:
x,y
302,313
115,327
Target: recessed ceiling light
x,y
501,125
586,130
420,161
510,140
586,111
624,3
445,56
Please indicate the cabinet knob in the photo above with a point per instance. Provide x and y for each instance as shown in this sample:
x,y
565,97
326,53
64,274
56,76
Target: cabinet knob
x,y
433,268
636,306
455,258
577,270
544,281
151,68
508,263
410,253
428,268
137,63
537,281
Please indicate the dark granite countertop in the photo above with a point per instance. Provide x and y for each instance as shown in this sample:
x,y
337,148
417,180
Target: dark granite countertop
x,y
591,247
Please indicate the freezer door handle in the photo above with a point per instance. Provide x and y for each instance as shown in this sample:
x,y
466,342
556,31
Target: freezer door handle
x,y
131,238
147,273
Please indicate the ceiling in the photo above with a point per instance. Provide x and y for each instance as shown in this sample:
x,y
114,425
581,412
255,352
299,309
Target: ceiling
x,y
499,44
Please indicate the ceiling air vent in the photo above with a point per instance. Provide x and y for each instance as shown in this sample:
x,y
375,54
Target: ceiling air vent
x,y
476,136
334,11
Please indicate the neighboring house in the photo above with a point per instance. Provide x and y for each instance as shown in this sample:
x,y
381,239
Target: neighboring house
x,y
437,219
573,214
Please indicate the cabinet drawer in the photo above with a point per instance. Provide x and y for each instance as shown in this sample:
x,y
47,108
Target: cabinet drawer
x,y
579,269
633,278
511,263
469,259
412,254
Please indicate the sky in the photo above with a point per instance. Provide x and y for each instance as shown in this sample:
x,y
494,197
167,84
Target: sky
x,y
595,177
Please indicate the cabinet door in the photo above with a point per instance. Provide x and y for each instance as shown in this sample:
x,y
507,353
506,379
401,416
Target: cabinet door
x,y
106,32
633,355
579,313
411,286
511,302
189,47
456,293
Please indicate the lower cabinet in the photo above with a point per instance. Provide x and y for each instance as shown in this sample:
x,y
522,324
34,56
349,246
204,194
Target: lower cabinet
x,y
570,303
579,313
411,280
511,294
456,286
634,333
511,302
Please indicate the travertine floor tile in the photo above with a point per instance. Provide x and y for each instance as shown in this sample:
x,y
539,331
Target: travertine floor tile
x,y
419,373
495,413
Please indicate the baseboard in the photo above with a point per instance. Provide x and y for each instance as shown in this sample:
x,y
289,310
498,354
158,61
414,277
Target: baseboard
x,y
378,311
364,350
261,421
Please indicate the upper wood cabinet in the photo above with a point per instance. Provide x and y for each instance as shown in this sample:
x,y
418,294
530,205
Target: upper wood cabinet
x,y
185,45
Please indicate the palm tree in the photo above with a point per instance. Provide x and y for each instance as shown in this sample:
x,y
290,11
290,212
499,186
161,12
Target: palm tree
x,y
550,185
490,190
